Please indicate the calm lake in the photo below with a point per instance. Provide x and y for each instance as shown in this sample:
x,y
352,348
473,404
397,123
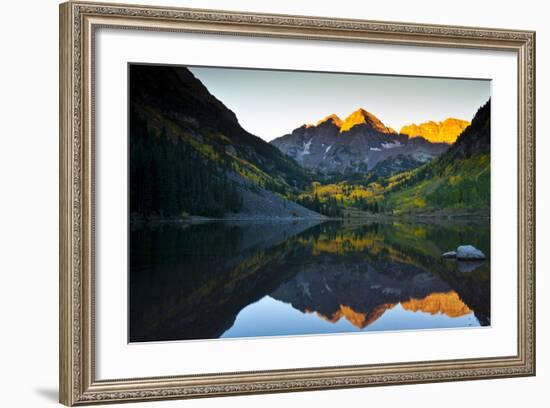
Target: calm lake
x,y
228,279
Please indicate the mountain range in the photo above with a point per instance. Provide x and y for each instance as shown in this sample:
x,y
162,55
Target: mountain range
x,y
189,155
361,141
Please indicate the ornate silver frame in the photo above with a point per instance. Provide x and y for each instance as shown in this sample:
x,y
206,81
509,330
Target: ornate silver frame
x,y
78,22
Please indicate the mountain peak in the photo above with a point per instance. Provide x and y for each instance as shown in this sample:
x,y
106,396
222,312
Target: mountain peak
x,y
332,118
446,131
361,116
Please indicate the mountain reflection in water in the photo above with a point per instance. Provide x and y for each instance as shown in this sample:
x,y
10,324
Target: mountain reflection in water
x,y
245,278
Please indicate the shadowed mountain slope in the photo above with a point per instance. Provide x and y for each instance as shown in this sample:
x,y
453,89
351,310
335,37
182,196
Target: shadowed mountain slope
x,y
189,154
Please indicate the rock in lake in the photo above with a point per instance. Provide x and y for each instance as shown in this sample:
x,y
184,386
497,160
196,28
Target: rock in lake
x,y
450,254
468,266
469,252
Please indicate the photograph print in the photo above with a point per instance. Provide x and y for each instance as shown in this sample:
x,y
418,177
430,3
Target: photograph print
x,y
282,203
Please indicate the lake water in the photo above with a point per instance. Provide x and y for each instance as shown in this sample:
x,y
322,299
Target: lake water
x,y
249,278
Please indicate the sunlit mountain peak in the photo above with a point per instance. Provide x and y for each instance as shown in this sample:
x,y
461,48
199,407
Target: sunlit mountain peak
x,y
333,118
361,116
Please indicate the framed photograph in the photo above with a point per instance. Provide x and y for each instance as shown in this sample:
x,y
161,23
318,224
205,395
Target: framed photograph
x,y
256,203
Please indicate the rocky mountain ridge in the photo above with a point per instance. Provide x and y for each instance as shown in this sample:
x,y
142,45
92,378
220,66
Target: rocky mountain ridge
x,y
446,131
354,145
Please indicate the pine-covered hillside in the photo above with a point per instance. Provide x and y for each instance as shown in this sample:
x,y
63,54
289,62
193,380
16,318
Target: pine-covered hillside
x,y
458,179
190,155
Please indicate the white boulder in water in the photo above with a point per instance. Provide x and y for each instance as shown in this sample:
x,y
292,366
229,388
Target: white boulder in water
x,y
469,252
450,254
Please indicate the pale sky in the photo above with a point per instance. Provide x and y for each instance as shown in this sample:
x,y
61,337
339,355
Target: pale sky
x,y
271,103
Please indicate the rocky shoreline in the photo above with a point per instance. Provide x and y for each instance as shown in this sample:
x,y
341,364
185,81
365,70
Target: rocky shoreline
x,y
421,218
